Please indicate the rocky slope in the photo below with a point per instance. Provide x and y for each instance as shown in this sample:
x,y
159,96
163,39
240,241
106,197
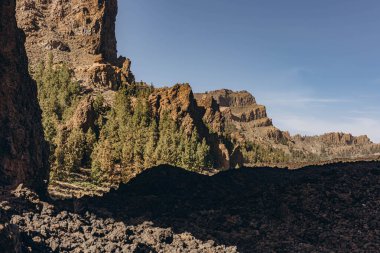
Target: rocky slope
x,y
180,102
23,152
331,208
247,122
242,114
28,224
44,227
79,33
82,35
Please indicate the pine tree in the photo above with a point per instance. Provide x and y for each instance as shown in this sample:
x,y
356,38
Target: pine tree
x,y
202,154
151,144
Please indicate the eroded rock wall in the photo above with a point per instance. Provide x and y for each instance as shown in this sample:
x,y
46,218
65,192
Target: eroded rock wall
x,y
246,121
23,151
80,33
206,118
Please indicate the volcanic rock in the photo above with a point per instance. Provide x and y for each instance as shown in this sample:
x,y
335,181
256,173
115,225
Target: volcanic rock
x,y
23,151
79,33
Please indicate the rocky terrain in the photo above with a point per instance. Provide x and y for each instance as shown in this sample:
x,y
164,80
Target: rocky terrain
x,y
38,226
79,33
180,102
247,121
332,208
23,151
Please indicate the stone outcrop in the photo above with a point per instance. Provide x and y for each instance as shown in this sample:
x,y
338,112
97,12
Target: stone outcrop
x,y
241,113
316,209
246,121
229,98
344,139
80,33
179,101
38,226
237,107
23,152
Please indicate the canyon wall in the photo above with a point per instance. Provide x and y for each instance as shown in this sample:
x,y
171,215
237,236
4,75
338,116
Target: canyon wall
x,y
246,122
23,151
80,33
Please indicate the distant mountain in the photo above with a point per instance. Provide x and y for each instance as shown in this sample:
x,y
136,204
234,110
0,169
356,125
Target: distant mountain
x,y
248,123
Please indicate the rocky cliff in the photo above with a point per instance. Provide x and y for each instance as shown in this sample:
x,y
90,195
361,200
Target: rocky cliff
x,y
23,152
79,33
180,102
246,122
243,114
82,35
339,139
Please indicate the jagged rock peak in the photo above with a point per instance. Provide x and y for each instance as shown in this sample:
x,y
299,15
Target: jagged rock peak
x,y
229,98
340,138
78,32
23,151
239,106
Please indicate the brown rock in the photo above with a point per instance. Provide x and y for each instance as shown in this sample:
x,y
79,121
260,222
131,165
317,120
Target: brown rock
x,y
84,116
23,151
179,101
245,121
229,98
80,33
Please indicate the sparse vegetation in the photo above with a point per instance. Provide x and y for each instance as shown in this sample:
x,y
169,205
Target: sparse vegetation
x,y
257,154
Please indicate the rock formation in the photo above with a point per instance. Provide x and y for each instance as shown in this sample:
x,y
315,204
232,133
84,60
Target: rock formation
x,y
343,139
79,33
247,122
23,152
243,114
179,101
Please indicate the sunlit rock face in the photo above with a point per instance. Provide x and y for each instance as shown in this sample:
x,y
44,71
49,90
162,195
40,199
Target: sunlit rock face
x,y
204,116
78,32
23,152
247,121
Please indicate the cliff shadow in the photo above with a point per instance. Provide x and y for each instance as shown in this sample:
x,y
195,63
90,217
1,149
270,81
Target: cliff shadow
x,y
255,209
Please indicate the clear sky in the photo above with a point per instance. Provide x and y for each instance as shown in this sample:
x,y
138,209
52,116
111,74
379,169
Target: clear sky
x,y
315,64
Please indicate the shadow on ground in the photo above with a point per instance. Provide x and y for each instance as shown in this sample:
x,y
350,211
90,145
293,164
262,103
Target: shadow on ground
x,y
327,208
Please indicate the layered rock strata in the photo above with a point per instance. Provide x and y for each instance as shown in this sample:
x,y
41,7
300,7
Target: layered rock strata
x,y
246,121
243,114
179,101
79,33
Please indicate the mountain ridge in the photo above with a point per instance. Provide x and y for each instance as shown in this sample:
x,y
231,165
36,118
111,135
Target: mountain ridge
x,y
79,37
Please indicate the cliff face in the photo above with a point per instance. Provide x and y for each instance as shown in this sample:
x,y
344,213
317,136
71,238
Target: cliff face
x,y
78,32
247,122
242,114
179,101
238,106
23,152
344,139
229,98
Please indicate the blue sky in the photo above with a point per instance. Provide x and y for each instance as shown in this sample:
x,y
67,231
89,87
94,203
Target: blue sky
x,y
314,64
